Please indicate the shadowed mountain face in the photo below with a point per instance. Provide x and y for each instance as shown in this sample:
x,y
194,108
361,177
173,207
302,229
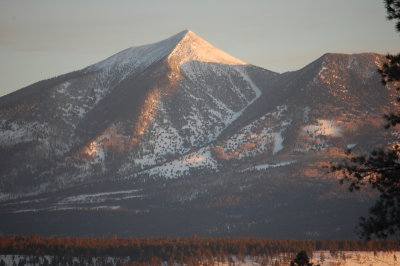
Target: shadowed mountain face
x,y
178,137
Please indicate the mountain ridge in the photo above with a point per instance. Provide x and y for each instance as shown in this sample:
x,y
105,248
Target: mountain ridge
x,y
180,125
170,47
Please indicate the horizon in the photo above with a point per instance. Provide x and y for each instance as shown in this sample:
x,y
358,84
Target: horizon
x,y
45,42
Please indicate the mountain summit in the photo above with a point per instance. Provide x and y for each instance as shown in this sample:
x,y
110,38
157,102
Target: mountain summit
x,y
178,137
178,49
193,48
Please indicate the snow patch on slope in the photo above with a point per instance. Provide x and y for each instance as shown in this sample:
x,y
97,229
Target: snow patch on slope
x,y
278,142
70,208
15,132
317,136
323,128
101,197
351,145
261,136
200,160
265,166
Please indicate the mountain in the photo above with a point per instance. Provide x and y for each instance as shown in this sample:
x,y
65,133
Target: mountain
x,y
178,137
132,111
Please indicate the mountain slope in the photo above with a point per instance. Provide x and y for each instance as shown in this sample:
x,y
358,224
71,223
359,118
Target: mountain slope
x,y
134,110
180,129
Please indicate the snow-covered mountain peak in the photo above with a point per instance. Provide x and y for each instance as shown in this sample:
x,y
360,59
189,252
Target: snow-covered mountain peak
x,y
141,56
193,48
180,48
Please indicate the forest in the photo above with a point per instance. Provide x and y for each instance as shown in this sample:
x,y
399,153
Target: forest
x,y
196,250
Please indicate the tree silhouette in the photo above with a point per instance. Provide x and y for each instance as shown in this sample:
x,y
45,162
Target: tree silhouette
x,y
380,168
393,10
301,259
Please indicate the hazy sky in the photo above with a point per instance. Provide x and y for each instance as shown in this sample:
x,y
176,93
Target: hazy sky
x,y
43,38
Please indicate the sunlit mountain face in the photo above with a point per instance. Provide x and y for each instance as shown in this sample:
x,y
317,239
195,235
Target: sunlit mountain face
x,y
178,137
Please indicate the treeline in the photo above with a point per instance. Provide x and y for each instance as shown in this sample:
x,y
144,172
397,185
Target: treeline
x,y
193,250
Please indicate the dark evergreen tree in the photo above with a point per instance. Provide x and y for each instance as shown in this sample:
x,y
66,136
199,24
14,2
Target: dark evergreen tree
x,y
393,10
301,259
380,168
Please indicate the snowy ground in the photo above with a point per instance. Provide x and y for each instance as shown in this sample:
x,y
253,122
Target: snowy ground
x,y
327,258
323,258
353,258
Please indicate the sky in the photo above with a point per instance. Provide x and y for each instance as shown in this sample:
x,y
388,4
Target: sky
x,y
44,38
